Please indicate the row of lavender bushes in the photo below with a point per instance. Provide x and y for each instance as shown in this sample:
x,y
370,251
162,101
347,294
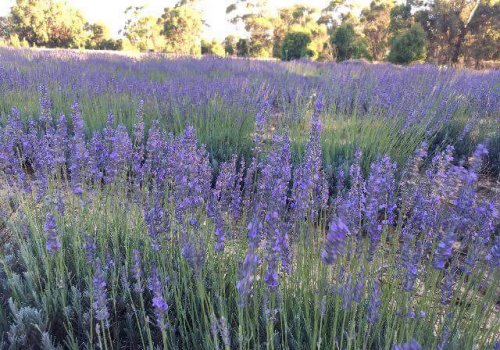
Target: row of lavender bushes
x,y
129,240
378,108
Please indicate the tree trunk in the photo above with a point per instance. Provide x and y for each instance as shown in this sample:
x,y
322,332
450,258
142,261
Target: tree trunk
x,y
461,36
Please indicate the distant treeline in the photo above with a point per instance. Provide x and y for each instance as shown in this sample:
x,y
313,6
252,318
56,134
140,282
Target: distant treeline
x,y
437,31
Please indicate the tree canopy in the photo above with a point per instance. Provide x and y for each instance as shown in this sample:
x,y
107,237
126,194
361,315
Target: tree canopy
x,y
438,31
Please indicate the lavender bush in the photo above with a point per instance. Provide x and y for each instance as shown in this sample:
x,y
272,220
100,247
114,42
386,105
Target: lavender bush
x,y
136,236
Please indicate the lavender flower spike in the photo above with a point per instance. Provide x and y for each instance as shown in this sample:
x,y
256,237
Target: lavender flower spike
x,y
53,244
375,302
412,345
100,298
335,241
159,304
443,250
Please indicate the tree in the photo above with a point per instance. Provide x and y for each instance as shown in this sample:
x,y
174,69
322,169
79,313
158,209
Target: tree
x,y
142,32
260,41
253,16
242,49
5,27
182,26
100,39
483,39
300,18
29,20
295,46
213,48
66,27
446,23
331,14
297,18
408,46
230,45
401,19
98,33
349,44
376,22
47,23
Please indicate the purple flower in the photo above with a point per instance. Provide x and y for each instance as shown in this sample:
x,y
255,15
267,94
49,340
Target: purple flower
x,y
249,184
375,302
156,219
349,290
260,123
272,208
219,231
447,286
310,189
160,306
335,241
100,295
224,332
444,338
45,104
79,155
60,142
194,253
53,244
412,345
228,186
251,262
411,259
137,271
494,256
380,204
89,248
352,206
443,250
138,146
190,173
124,278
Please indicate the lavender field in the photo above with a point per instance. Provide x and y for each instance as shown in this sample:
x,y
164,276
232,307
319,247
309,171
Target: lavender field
x,y
205,203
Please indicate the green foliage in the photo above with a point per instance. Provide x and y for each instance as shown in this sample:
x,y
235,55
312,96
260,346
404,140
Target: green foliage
x,y
99,38
230,45
53,23
483,36
300,18
142,32
48,23
375,21
242,48
295,46
408,46
260,29
182,27
401,19
212,48
258,24
349,44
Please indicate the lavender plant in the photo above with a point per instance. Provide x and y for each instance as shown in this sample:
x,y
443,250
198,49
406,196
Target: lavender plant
x,y
140,238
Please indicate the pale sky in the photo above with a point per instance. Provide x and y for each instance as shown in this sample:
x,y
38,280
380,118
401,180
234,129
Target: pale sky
x,y
214,11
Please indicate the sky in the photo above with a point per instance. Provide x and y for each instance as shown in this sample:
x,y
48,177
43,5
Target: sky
x,y
214,11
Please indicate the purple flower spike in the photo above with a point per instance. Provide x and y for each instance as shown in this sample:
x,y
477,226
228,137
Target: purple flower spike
x,y
53,244
159,304
443,250
219,232
100,297
412,345
375,302
137,271
335,241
